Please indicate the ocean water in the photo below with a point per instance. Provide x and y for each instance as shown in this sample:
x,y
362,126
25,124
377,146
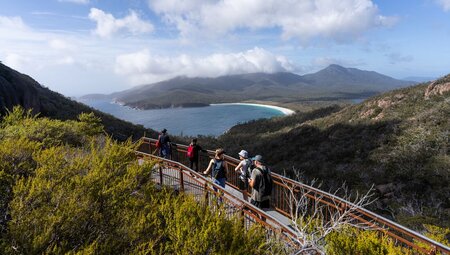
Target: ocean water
x,y
211,120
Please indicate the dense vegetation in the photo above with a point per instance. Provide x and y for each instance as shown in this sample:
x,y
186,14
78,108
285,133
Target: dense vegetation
x,y
398,141
66,189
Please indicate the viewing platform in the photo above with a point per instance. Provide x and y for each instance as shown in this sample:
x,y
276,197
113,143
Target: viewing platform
x,y
276,220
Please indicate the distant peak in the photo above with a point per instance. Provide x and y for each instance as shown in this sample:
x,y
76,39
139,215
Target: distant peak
x,y
335,66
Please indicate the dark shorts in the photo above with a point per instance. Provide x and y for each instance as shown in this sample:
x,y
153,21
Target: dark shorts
x,y
242,184
262,204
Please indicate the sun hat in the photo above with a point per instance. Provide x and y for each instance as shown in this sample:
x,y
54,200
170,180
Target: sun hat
x,y
243,153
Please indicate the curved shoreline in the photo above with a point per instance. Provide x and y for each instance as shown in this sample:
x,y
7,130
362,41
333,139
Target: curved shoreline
x,y
285,111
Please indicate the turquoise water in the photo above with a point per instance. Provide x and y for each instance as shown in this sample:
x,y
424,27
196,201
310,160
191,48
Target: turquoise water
x,y
357,100
211,120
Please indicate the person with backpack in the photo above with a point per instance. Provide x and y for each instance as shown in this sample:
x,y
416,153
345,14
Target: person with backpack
x,y
192,153
261,183
165,147
218,168
244,172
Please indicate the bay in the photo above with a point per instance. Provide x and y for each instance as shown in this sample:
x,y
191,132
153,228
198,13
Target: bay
x,y
210,120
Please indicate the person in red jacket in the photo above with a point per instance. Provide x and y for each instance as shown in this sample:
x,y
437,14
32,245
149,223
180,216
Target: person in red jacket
x,y
193,154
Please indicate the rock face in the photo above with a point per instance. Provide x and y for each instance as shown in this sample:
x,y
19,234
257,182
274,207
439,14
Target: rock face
x,y
376,108
436,88
18,89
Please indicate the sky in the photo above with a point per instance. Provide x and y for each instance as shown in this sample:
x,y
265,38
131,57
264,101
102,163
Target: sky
x,y
78,47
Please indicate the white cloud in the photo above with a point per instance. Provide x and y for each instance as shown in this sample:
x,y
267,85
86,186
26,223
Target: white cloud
x,y
60,44
74,1
67,60
107,25
13,29
16,61
143,67
445,4
395,58
304,20
12,22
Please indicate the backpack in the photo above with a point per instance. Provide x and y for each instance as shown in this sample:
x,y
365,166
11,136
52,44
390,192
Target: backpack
x,y
218,170
190,151
265,187
249,168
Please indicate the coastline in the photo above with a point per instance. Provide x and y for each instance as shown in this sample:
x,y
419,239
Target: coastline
x,y
285,111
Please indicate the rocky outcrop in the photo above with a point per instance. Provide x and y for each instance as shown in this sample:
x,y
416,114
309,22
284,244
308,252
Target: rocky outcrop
x,y
376,108
436,88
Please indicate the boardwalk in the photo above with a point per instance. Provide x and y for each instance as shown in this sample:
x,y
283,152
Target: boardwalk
x,y
194,186
276,220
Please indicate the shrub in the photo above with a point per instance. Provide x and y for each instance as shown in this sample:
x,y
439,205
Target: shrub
x,y
355,241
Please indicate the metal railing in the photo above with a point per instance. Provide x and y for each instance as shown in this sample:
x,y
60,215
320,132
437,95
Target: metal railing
x,y
180,177
281,186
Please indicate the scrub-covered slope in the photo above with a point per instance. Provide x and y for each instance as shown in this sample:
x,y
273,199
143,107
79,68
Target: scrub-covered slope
x,y
398,141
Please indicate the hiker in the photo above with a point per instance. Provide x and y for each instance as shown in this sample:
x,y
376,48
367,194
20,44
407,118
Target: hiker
x,y
218,168
261,183
165,147
193,153
244,172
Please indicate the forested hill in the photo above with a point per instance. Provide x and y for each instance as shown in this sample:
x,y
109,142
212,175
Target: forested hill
x,y
20,89
398,141
332,83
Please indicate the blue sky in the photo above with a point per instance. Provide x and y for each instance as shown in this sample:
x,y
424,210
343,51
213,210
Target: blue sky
x,y
78,47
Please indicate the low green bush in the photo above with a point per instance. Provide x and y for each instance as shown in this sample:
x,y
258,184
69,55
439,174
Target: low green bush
x,y
355,241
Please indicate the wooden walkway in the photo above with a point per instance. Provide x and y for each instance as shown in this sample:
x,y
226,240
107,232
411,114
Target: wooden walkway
x,y
194,186
175,173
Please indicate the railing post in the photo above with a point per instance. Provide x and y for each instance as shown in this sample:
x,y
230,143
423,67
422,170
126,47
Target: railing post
x,y
181,180
243,216
433,250
206,192
149,147
160,176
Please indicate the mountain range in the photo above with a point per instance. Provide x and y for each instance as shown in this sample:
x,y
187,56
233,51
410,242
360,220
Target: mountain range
x,y
332,83
419,78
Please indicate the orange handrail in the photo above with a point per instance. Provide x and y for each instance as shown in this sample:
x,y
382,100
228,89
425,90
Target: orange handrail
x,y
174,173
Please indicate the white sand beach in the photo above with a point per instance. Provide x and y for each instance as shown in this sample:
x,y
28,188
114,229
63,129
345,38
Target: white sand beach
x,y
285,111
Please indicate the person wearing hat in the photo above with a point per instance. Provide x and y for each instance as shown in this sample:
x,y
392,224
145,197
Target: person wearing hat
x,y
244,172
164,144
261,183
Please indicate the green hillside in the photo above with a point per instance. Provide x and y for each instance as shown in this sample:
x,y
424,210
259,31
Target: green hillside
x,y
398,141
20,89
